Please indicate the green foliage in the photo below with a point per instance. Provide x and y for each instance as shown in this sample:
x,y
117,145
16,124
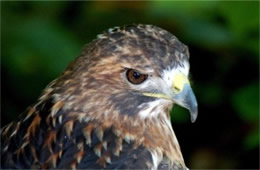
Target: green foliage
x,y
243,21
252,139
180,115
246,102
50,47
212,94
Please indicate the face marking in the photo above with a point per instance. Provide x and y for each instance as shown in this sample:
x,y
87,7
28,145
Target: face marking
x,y
153,108
163,96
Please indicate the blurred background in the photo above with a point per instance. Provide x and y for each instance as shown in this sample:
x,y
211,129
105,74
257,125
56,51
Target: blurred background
x,y
39,39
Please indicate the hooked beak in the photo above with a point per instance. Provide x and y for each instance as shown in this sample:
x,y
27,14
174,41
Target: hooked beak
x,y
184,96
181,94
186,99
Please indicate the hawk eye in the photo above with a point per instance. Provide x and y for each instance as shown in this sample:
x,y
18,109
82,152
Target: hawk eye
x,y
135,77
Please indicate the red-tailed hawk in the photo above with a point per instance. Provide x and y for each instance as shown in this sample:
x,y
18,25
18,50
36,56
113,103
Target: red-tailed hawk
x,y
109,109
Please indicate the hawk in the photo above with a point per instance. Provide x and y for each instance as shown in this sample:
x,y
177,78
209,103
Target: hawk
x,y
110,109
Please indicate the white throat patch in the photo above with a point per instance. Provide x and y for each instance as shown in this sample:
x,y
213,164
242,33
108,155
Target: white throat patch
x,y
153,109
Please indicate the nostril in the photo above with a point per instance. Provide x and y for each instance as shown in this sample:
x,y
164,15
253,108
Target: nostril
x,y
177,88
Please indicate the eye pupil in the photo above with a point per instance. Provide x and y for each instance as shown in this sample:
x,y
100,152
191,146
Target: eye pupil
x,y
135,77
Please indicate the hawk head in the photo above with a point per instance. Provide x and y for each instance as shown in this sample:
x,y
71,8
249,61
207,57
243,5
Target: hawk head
x,y
136,71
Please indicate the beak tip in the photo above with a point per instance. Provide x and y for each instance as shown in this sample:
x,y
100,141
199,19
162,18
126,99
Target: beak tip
x,y
193,119
194,116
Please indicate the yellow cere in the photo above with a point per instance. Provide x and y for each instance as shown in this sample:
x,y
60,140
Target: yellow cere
x,y
179,81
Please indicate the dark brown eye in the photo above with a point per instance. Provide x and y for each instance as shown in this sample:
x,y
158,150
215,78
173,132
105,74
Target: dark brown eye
x,y
135,77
